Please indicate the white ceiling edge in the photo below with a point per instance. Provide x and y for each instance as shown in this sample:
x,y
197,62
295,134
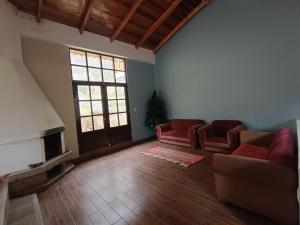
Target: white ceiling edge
x,y
70,36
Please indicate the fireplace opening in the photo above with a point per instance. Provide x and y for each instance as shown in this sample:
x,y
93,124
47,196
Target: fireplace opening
x,y
53,145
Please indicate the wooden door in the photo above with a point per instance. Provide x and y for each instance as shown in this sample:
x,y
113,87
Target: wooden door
x,y
101,100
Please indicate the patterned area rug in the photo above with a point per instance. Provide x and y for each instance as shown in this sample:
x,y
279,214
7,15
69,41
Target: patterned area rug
x,y
182,158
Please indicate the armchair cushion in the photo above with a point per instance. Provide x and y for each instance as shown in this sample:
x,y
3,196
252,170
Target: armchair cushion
x,y
221,127
252,151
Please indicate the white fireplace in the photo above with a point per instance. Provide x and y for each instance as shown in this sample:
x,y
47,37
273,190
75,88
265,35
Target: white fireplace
x,y
29,124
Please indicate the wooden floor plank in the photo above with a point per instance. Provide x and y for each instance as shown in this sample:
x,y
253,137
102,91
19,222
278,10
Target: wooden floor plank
x,y
129,188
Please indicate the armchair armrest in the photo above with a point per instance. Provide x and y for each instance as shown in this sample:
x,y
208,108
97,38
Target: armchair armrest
x,y
192,133
258,138
161,128
202,133
258,171
233,135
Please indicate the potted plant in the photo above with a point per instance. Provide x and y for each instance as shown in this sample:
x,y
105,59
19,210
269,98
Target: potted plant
x,y
156,111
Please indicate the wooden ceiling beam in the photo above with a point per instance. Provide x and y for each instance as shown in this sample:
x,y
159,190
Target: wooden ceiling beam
x,y
123,23
39,11
158,22
197,9
86,15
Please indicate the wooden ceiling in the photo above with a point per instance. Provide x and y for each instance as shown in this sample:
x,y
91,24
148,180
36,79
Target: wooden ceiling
x,y
143,23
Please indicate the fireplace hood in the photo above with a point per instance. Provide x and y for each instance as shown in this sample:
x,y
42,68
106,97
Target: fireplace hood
x,y
26,115
25,112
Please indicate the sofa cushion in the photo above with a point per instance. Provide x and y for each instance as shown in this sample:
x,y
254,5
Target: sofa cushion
x,y
175,135
282,149
251,151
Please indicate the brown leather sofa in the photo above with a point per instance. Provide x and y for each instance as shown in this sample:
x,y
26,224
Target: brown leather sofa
x,y
260,175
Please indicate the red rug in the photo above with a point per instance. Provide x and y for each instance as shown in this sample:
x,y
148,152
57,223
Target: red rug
x,y
182,158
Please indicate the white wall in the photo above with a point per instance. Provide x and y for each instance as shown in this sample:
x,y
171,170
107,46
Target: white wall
x,y
70,36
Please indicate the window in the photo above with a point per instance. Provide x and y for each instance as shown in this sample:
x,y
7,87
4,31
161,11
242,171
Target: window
x,y
100,88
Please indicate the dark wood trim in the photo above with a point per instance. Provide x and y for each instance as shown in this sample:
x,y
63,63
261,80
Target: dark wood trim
x,y
86,15
124,22
39,10
109,150
197,9
159,21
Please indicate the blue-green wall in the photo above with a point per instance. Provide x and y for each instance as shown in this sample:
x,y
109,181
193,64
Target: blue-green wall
x,y
140,88
235,59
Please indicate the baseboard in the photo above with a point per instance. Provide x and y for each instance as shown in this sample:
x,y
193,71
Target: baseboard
x,y
109,150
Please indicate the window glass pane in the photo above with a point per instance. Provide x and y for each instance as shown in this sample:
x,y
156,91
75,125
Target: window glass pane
x,y
93,60
86,124
120,77
97,107
111,93
107,62
77,57
95,74
122,105
112,106
123,119
83,92
108,76
79,73
113,120
121,92
98,122
85,108
96,92
119,64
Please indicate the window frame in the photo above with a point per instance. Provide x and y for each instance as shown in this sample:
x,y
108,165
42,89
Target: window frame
x,y
103,85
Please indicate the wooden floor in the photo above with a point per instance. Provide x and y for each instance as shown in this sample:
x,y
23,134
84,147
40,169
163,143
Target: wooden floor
x,y
130,188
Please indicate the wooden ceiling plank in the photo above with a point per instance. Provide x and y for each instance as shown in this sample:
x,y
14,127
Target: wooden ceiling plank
x,y
123,23
197,9
158,22
86,15
39,11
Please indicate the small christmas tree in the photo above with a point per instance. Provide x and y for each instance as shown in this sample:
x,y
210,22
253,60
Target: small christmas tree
x,y
156,112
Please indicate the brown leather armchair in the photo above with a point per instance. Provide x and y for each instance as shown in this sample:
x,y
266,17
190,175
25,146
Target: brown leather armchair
x,y
261,176
221,135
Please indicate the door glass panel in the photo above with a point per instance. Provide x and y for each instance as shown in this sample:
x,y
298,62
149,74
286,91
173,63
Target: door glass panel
x,y
93,60
113,120
108,76
83,92
96,92
85,108
95,75
111,92
77,57
122,105
107,62
119,64
120,77
123,119
112,106
121,92
97,107
79,73
98,122
86,124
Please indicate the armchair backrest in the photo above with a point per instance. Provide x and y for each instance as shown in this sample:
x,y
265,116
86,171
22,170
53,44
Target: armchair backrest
x,y
223,126
281,149
184,124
